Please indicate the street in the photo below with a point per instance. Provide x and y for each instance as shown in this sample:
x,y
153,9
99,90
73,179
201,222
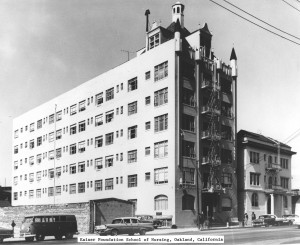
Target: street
x,y
259,235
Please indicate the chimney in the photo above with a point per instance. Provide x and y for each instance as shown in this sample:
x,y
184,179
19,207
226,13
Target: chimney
x,y
147,19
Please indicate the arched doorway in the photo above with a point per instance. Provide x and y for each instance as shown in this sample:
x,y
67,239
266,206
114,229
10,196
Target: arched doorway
x,y
269,205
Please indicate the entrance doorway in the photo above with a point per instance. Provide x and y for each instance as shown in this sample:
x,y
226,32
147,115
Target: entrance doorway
x,y
269,205
209,204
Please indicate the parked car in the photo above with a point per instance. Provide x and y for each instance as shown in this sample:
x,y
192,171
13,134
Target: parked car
x,y
5,233
124,225
290,218
267,220
145,218
40,225
297,221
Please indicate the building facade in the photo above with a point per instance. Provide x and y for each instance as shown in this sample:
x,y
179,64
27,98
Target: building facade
x,y
158,130
264,170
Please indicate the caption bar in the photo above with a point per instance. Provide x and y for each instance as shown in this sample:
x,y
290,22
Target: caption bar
x,y
153,239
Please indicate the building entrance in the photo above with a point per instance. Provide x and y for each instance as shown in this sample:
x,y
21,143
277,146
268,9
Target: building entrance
x,y
209,205
269,205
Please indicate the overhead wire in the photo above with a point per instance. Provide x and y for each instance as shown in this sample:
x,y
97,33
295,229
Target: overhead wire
x,y
255,23
291,5
261,20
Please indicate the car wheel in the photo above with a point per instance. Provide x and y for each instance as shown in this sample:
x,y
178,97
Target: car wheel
x,y
142,232
69,235
29,239
40,237
114,232
155,226
58,237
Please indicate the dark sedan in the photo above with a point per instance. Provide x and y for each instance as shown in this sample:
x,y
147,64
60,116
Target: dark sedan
x,y
265,220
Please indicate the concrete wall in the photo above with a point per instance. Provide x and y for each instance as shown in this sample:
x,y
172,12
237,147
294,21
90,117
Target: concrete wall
x,y
81,211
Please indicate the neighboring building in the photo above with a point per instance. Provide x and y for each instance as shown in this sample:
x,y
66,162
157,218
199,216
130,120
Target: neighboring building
x,y
5,196
264,175
138,132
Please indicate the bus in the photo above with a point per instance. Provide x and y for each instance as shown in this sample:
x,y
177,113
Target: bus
x,y
40,225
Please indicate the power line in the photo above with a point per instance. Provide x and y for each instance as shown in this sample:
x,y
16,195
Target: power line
x,y
261,20
291,5
255,23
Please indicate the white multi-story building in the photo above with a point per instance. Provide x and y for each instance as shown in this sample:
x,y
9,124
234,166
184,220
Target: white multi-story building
x,y
138,132
264,175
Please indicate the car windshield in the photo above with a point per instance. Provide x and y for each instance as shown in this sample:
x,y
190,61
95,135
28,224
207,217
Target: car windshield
x,y
117,221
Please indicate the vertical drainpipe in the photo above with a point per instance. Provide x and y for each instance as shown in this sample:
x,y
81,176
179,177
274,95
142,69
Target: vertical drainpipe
x,y
198,166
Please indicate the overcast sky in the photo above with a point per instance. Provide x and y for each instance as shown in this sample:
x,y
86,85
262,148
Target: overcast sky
x,y
48,47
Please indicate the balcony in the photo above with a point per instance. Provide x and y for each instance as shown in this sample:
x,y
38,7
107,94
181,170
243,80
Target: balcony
x,y
210,135
208,64
209,110
274,189
273,167
210,84
209,161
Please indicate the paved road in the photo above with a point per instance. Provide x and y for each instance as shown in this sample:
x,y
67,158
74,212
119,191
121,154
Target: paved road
x,y
260,235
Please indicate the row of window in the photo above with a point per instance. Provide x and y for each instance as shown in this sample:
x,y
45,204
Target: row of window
x,y
272,182
160,72
160,177
255,200
160,151
256,158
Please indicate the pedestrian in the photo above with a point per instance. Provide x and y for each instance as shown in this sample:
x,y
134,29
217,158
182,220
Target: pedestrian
x,y
245,219
253,216
201,220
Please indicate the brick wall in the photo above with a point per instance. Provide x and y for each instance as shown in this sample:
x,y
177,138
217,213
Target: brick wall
x,y
17,213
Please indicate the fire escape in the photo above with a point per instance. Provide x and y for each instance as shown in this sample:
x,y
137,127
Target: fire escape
x,y
211,131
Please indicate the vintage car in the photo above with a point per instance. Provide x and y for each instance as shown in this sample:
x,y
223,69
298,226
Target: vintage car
x,y
290,218
124,225
145,218
5,233
267,220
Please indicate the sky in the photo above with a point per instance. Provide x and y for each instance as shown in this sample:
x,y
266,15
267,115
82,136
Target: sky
x,y
48,47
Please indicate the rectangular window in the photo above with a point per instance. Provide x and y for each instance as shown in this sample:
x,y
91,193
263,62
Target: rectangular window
x,y
38,193
38,158
98,185
31,160
132,180
147,75
226,180
188,123
16,134
109,161
109,184
16,180
132,108
161,97
147,100
73,110
72,149
58,153
31,144
132,132
284,163
39,124
73,168
81,106
58,190
81,167
160,175
58,172
254,157
188,176
81,126
254,179
161,149
50,155
73,129
109,94
58,134
15,149
51,137
31,128
51,119
161,71
109,116
98,163
154,41
132,156
38,175
98,141
72,188
147,176
81,187
58,115
98,120
51,173
147,125
132,84
99,99
109,138
161,123
31,194
39,141
81,146
16,165
284,182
